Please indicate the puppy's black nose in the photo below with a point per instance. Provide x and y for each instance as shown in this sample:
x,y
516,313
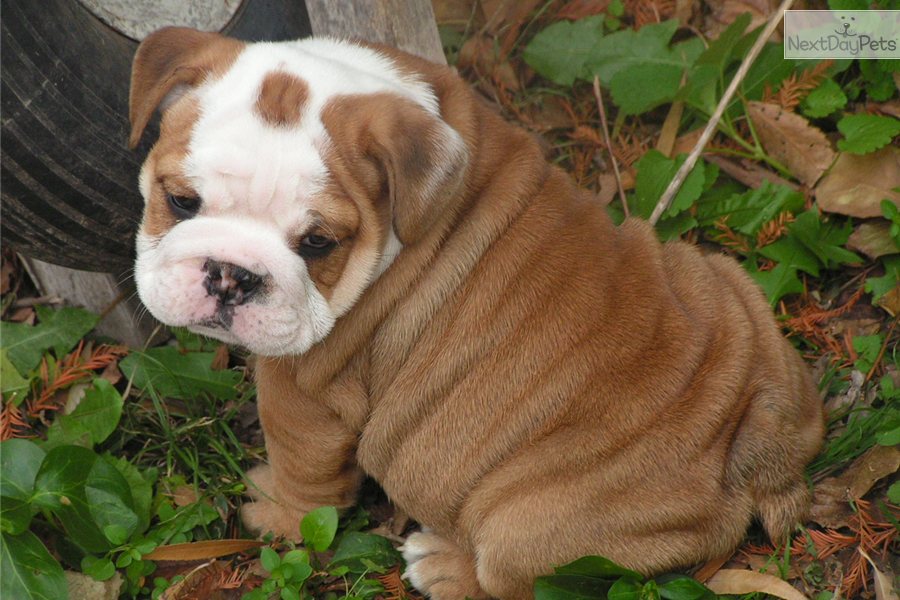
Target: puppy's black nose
x,y
233,285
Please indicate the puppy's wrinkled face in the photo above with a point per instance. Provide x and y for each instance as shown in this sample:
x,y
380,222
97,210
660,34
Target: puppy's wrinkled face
x,y
271,195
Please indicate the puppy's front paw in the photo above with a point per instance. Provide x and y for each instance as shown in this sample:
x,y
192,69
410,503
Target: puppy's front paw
x,y
439,568
265,513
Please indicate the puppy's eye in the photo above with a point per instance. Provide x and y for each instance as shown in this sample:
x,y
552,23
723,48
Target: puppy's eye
x,y
316,246
183,207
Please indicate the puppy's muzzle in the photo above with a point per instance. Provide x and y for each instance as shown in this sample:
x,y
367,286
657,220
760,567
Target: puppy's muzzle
x,y
231,284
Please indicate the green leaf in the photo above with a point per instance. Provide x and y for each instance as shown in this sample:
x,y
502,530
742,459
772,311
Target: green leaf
x,y
110,502
559,52
867,348
100,569
570,587
654,172
749,211
640,68
848,4
269,559
889,438
13,386
866,133
880,84
29,571
628,48
60,487
824,100
290,594
20,461
824,239
720,52
644,87
893,493
141,485
98,413
789,251
769,68
625,589
879,286
318,527
597,566
58,329
778,282
682,587
185,376
356,549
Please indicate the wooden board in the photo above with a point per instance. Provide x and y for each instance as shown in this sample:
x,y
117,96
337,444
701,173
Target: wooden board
x,y
406,24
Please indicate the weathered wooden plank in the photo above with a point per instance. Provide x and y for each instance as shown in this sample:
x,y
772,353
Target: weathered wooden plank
x,y
406,24
124,319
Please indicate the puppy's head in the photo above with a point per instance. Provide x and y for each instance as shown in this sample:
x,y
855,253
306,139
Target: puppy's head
x,y
286,178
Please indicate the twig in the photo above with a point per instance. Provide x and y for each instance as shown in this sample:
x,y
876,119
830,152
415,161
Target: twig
x,y
29,302
612,157
887,339
713,123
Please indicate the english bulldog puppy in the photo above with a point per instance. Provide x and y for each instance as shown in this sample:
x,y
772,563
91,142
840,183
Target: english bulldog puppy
x,y
436,306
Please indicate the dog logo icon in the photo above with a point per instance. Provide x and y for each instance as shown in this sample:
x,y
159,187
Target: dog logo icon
x,y
844,31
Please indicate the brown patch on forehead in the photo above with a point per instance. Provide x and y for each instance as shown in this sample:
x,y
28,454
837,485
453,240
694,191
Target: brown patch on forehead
x,y
166,163
282,99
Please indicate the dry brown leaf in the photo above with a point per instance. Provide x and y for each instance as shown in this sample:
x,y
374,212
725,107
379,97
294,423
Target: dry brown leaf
x,y
884,588
478,53
891,107
458,12
748,172
832,497
202,550
764,564
200,583
669,131
608,188
25,314
503,13
738,581
873,238
891,302
686,142
724,13
112,373
579,9
792,141
220,358
184,495
856,184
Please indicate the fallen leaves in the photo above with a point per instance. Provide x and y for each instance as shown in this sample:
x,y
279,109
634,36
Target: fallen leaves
x,y
792,141
873,238
203,550
739,581
832,497
856,185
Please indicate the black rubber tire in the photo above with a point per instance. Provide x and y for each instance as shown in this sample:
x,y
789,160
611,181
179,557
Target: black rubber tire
x,y
68,179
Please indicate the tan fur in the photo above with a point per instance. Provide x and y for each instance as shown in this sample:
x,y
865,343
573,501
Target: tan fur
x,y
282,99
165,167
170,57
527,380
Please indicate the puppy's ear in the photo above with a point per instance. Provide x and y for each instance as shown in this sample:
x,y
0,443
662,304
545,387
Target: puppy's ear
x,y
168,59
420,159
